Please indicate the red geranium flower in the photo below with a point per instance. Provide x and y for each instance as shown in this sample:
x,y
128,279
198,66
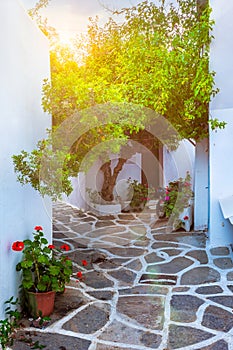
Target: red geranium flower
x,y
65,247
51,246
38,228
18,246
186,217
79,274
84,262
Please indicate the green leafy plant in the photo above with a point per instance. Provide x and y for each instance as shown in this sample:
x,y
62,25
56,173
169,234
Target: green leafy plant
x,y
139,194
9,324
47,169
44,268
158,57
33,345
177,196
96,197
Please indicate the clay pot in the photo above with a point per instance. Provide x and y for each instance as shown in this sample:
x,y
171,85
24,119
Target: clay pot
x,y
40,304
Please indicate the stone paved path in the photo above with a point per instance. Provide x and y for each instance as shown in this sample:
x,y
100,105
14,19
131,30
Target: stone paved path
x,y
143,288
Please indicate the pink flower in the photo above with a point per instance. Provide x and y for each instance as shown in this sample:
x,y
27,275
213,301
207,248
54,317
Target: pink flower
x,y
38,228
167,198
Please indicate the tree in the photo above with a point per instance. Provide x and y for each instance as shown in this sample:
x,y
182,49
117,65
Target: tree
x,y
157,58
42,23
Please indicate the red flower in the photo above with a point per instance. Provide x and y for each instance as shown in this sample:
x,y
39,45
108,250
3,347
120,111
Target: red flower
x,y
186,217
79,274
84,262
51,246
38,228
65,247
18,246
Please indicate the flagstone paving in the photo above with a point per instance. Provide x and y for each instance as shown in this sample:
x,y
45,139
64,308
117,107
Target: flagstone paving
x,y
143,288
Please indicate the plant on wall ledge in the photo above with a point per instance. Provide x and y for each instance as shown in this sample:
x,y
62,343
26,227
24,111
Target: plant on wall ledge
x,y
178,196
139,194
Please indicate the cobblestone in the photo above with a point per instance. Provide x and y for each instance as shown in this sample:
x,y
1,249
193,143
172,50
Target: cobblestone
x,y
143,288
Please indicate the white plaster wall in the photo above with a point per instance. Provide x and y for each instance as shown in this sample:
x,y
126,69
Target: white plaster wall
x,y
24,63
221,57
221,180
177,163
221,142
93,179
78,196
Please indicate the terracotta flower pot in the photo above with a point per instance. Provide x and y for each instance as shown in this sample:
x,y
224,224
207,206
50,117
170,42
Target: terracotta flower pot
x,y
40,304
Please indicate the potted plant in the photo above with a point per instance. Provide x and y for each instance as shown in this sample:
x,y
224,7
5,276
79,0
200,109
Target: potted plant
x,y
45,271
178,202
139,194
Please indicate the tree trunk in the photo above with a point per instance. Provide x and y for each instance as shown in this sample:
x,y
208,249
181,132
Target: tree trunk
x,y
110,179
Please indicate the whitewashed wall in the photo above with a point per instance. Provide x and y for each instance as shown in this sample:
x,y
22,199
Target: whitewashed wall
x,y
221,142
24,63
177,163
93,179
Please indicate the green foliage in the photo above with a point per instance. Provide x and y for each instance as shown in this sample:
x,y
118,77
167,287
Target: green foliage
x,y
42,23
139,194
43,269
177,196
9,325
46,169
156,57
94,196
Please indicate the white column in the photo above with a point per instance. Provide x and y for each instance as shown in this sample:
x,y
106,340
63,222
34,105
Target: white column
x,y
201,179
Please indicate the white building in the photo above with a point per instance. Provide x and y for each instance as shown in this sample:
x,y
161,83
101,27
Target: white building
x,y
221,142
24,63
